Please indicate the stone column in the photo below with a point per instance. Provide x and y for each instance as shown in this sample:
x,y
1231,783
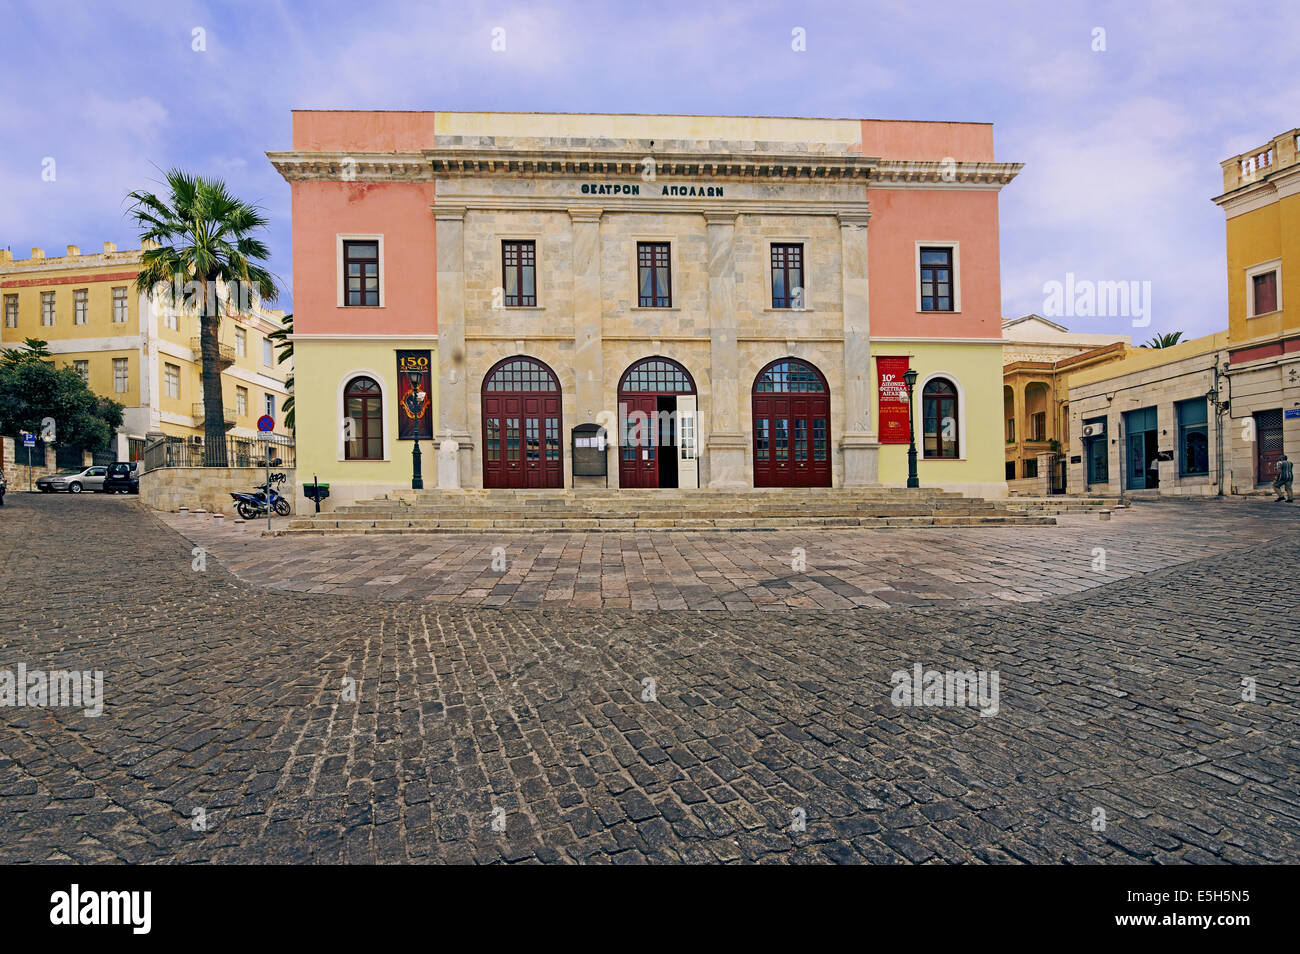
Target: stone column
x,y
860,445
588,364
453,400
727,445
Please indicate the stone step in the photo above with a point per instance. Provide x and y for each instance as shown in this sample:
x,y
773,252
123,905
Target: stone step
x,y
322,526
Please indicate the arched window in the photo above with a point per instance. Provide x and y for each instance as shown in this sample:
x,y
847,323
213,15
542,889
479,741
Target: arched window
x,y
363,404
789,377
657,376
939,414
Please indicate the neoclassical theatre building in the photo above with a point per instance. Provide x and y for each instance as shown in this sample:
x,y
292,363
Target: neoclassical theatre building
x,y
733,301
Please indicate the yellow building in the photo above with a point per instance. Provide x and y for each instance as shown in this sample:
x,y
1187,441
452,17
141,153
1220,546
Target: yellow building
x,y
1261,203
138,349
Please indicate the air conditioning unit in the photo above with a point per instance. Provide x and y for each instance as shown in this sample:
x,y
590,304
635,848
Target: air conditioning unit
x,y
196,439
1094,430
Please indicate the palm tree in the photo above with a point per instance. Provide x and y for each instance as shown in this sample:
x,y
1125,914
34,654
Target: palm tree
x,y
1166,340
283,338
201,234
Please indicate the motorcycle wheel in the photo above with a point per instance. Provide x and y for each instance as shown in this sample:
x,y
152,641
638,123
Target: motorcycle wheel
x,y
282,507
246,510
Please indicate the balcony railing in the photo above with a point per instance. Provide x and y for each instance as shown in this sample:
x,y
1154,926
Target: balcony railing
x,y
227,415
239,452
225,352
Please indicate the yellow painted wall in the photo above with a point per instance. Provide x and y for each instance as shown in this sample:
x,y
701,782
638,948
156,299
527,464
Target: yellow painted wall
x,y
100,368
1141,359
977,371
1270,232
322,369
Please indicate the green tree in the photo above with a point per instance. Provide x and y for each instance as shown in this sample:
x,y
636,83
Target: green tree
x,y
1166,340
32,389
197,240
283,339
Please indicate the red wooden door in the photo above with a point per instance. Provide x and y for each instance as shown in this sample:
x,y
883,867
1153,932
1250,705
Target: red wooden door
x,y
1268,445
638,458
791,427
521,427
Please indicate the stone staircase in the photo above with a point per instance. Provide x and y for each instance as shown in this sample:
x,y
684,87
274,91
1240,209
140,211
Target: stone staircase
x,y
461,511
1060,503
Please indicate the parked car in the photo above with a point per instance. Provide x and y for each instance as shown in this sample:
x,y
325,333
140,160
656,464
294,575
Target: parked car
x,y
123,477
73,481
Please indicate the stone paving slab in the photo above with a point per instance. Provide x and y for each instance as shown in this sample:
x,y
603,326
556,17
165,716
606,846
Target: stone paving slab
x,y
728,571
233,700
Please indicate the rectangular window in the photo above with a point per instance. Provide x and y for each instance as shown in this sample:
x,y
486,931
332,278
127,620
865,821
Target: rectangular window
x,y
1193,437
654,279
119,306
241,343
268,355
1031,466
11,311
936,279
83,370
120,382
361,273
512,438
493,439
270,404
241,401
760,439
172,380
1011,470
47,309
1264,290
552,438
171,320
820,443
787,277
1038,426
781,438
519,273
80,306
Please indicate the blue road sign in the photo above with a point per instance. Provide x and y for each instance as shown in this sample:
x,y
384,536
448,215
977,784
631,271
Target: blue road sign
x,y
266,423
29,439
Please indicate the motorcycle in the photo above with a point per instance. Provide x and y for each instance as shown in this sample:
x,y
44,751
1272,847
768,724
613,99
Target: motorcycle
x,y
251,506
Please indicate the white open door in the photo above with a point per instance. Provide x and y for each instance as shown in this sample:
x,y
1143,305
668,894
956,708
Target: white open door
x,y
688,458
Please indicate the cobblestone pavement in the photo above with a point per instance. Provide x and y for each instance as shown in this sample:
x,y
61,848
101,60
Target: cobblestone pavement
x,y
229,698
720,570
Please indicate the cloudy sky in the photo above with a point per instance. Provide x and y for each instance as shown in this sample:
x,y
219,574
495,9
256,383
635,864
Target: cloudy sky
x,y
1121,146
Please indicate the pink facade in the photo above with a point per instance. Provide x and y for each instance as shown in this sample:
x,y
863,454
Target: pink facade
x,y
399,211
901,218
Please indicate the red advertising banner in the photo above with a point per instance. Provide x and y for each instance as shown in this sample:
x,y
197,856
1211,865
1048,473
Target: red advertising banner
x,y
893,400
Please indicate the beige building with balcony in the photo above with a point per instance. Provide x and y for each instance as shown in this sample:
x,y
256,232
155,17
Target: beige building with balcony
x,y
137,349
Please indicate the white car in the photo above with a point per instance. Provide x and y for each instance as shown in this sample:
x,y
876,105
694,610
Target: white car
x,y
73,481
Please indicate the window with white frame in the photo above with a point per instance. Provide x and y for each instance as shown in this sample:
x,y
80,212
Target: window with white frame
x,y
80,306
83,370
1264,288
268,353
241,342
172,380
47,309
361,271
11,311
270,404
241,401
119,306
120,380
938,277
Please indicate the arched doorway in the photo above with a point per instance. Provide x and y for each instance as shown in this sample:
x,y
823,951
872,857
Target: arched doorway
x,y
658,439
792,414
521,425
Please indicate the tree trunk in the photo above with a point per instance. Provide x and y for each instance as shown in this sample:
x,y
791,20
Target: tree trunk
x,y
214,417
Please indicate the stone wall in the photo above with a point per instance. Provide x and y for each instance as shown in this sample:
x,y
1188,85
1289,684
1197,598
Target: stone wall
x,y
207,488
15,464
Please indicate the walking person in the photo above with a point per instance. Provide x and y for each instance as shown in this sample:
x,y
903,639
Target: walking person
x,y
1285,476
